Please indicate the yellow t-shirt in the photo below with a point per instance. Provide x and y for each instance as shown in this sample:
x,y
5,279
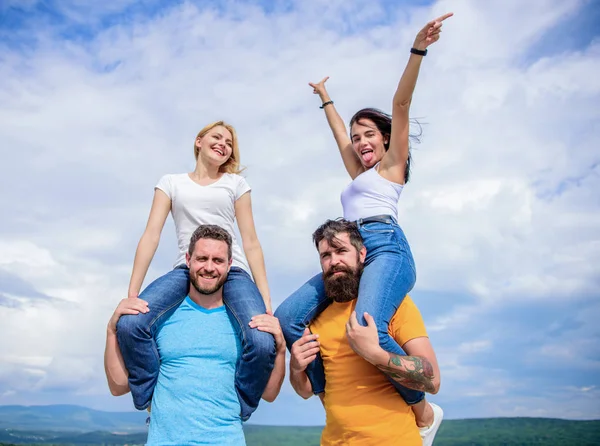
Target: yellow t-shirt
x,y
362,407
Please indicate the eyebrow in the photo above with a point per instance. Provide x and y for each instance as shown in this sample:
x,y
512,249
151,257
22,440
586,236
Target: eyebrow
x,y
226,139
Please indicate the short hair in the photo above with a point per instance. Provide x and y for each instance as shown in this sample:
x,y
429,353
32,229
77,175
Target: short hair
x,y
330,230
212,232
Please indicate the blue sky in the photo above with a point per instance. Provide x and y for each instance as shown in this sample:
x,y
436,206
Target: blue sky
x,y
503,216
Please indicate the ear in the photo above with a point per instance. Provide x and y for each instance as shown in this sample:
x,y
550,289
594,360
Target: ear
x,y
187,259
198,142
362,255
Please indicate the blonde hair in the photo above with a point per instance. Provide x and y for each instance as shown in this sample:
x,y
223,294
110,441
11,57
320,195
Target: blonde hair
x,y
232,165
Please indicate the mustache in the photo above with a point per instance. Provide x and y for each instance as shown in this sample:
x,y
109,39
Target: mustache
x,y
338,269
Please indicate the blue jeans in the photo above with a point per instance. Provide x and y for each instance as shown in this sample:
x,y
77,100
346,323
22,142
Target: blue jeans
x,y
242,299
389,274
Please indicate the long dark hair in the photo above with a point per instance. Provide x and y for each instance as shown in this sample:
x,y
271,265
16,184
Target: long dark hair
x,y
383,122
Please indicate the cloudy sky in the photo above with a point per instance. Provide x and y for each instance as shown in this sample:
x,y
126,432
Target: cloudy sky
x,y
97,101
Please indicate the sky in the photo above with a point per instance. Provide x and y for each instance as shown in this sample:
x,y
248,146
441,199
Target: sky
x,y
99,100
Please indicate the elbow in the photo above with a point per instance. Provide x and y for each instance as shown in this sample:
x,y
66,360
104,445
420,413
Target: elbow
x,y
402,104
251,246
151,238
272,392
118,391
269,397
306,395
435,386
118,388
303,392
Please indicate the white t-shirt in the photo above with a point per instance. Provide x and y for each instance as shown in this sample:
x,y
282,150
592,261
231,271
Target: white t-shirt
x,y
193,205
370,194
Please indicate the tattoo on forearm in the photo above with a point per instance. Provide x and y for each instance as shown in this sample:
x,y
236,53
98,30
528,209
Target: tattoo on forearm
x,y
414,372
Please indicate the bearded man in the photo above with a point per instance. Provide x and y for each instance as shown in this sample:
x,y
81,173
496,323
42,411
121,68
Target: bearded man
x,y
362,406
195,400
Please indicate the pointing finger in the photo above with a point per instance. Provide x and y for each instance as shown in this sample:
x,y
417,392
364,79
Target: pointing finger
x,y
444,17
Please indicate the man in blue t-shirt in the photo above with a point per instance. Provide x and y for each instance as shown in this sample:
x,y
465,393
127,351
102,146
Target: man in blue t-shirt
x,y
195,400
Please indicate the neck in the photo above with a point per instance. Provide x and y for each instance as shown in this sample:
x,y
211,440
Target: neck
x,y
204,171
208,301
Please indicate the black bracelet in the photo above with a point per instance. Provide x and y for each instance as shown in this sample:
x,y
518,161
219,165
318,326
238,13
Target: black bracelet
x,y
325,104
419,52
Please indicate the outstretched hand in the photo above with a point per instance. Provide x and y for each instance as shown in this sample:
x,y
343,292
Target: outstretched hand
x,y
430,32
319,87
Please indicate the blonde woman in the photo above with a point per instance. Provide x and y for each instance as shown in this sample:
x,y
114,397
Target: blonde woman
x,y
215,194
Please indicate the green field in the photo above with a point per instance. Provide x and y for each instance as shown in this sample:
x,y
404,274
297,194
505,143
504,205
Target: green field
x,y
474,432
75,425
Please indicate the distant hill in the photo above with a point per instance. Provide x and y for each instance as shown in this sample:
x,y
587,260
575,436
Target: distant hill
x,y
70,418
70,425
14,437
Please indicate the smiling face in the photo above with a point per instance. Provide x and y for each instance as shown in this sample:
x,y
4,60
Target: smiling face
x,y
209,264
368,142
215,146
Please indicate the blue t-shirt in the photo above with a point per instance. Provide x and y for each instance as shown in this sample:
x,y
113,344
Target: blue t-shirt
x,y
195,401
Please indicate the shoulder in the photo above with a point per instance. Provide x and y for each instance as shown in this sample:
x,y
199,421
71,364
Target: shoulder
x,y
237,183
407,323
171,183
406,310
177,176
172,177
234,178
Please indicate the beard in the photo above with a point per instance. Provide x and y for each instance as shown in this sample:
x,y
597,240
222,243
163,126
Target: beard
x,y
343,287
205,290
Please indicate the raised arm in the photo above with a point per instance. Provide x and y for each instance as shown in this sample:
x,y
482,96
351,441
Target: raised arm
x,y
393,164
114,367
251,245
161,205
336,124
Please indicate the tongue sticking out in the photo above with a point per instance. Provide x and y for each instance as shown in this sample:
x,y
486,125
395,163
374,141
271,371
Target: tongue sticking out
x,y
367,157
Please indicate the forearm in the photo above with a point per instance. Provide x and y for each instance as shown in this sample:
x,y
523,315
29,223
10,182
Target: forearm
x,y
143,256
256,261
301,384
413,372
114,367
336,123
408,82
277,375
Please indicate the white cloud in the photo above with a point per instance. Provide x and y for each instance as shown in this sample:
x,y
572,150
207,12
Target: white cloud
x,y
502,205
